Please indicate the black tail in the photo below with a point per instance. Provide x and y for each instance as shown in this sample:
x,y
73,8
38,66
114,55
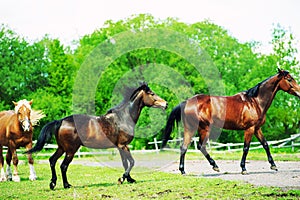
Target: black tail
x,y
45,135
175,115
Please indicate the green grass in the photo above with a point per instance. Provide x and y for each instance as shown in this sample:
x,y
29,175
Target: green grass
x,y
101,183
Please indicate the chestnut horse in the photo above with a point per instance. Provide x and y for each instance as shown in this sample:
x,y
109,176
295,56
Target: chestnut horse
x,y
243,111
115,129
16,131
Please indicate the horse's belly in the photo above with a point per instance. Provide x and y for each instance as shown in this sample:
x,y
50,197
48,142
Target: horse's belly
x,y
99,141
96,136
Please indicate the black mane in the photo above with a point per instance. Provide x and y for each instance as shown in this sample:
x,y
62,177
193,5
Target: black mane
x,y
253,92
129,94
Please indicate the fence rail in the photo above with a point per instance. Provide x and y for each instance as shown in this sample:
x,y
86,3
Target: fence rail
x,y
291,142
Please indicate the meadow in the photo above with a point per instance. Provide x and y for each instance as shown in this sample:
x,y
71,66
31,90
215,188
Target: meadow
x,y
95,182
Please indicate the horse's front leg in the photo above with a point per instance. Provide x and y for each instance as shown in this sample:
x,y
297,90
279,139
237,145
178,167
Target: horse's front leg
x,y
32,174
12,155
126,157
259,135
247,139
8,173
2,173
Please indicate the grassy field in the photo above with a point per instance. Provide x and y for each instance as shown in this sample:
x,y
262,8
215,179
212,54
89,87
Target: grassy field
x,y
101,183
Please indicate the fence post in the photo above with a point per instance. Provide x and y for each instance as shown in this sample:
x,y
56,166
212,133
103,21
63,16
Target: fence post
x,y
195,143
155,144
78,152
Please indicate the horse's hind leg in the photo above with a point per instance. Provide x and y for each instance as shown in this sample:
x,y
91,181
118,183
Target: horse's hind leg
x,y
259,135
53,159
183,148
2,173
203,137
247,139
32,174
64,167
126,157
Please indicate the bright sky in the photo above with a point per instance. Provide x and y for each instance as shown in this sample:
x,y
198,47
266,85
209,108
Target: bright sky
x,y
68,20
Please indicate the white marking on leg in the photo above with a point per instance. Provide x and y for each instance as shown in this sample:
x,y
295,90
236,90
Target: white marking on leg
x,y
8,173
2,175
32,175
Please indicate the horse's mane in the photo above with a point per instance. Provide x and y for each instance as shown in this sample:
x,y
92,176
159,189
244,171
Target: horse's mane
x,y
21,103
35,116
253,92
129,94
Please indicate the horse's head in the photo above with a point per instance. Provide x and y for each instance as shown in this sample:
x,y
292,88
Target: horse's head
x,y
150,99
23,110
287,83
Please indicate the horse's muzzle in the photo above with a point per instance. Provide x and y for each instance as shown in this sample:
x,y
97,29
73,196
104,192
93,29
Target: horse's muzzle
x,y
26,125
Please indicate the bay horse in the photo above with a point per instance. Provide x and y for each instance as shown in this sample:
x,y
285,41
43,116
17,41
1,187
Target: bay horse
x,y
244,111
16,130
115,129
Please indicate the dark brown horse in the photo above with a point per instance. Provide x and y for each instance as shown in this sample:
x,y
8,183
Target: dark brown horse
x,y
243,111
115,129
15,132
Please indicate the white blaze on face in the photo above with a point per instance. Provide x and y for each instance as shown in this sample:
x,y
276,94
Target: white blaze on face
x,y
26,124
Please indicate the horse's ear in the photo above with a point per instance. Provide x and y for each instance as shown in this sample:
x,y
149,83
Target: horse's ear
x,y
280,71
30,102
142,83
15,103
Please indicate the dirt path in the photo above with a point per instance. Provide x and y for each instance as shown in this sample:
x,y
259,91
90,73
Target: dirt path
x,y
259,172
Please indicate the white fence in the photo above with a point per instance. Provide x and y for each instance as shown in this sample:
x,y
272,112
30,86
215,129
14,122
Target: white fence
x,y
291,142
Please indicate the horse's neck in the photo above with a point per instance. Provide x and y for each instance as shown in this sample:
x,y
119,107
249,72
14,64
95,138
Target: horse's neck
x,y
266,95
135,108
130,111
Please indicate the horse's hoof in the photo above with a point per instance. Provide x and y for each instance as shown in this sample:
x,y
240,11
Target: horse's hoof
x,y
52,185
131,180
32,177
273,167
16,178
244,172
121,180
183,173
3,179
217,169
67,186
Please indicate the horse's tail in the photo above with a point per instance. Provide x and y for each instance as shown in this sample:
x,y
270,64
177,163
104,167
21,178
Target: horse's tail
x,y
45,135
175,115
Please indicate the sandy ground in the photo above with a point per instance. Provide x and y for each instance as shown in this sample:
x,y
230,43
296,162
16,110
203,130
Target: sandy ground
x,y
259,172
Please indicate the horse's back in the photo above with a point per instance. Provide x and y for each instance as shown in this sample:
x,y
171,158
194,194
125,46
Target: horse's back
x,y
86,130
229,112
5,120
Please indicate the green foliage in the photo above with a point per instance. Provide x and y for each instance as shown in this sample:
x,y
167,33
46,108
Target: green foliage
x,y
46,71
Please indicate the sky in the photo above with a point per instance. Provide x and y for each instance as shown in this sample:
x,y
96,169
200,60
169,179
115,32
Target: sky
x,y
68,20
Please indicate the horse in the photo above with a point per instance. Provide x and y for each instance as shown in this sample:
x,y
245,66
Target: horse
x,y
115,129
244,111
16,130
